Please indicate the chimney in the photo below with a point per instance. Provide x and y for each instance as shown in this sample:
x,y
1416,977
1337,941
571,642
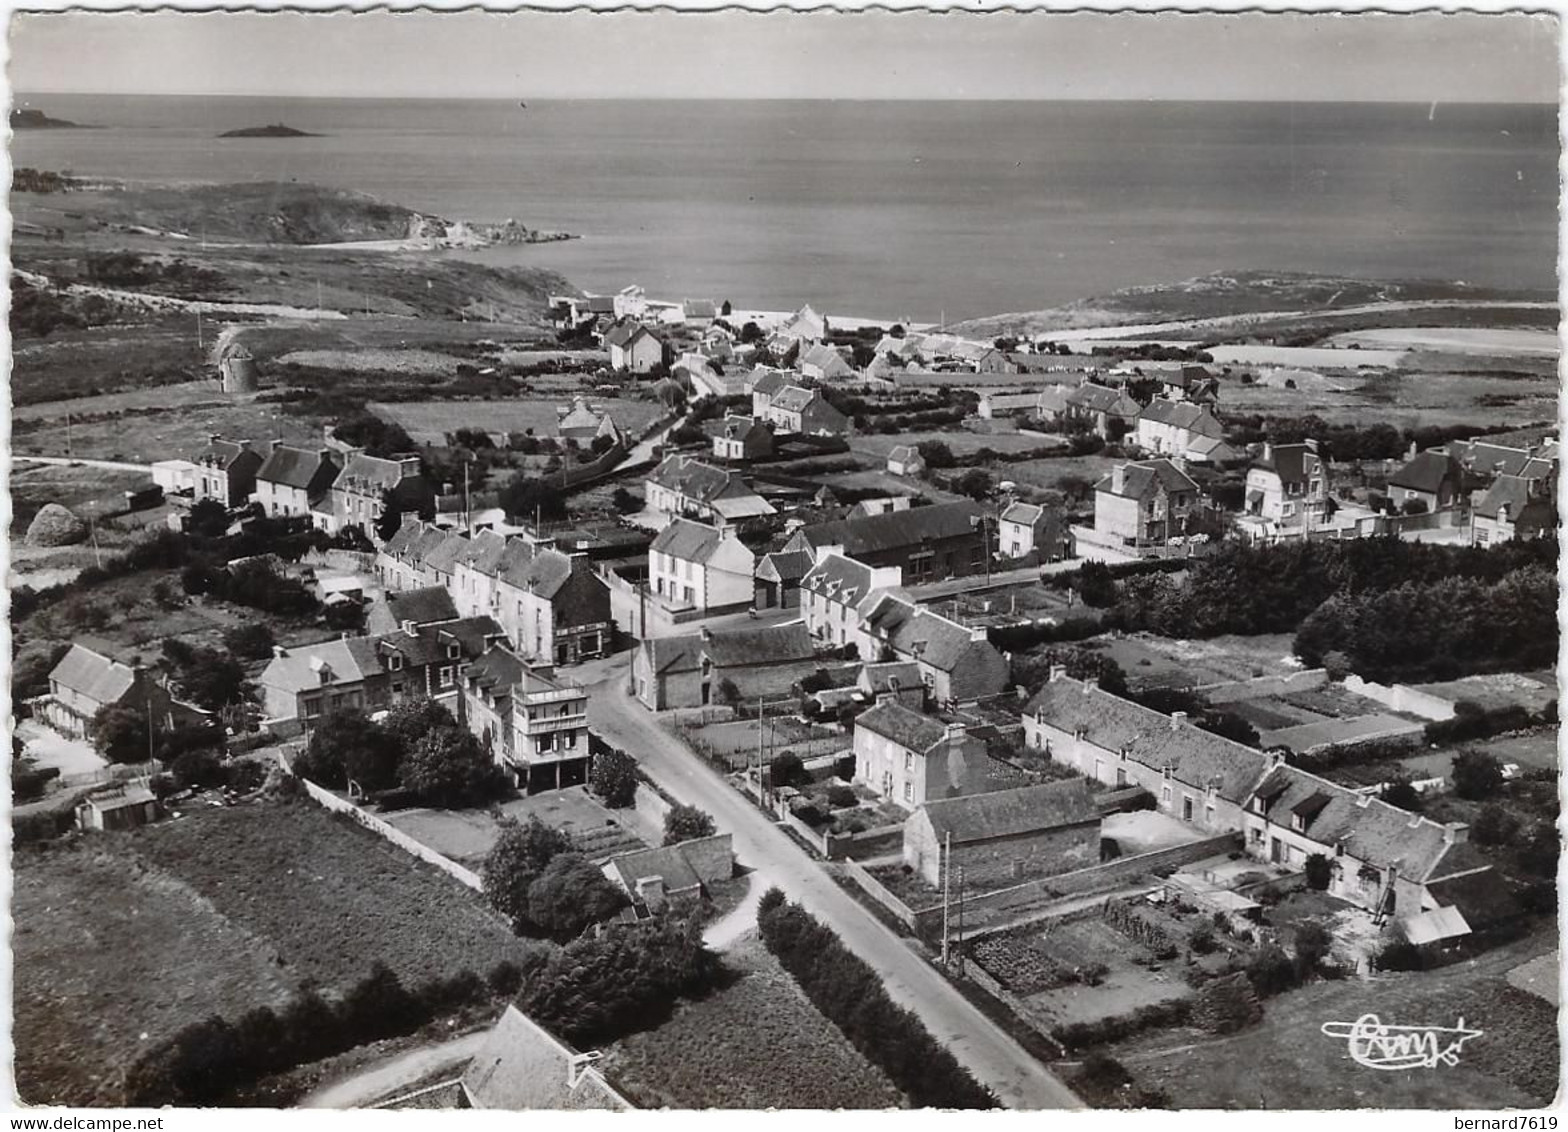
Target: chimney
x,y
1364,801
279,651
580,1063
1456,833
214,437
1414,822
1057,671
955,732
1177,719
408,466
1410,453
1118,479
1311,443
274,445
410,628
448,488
1268,451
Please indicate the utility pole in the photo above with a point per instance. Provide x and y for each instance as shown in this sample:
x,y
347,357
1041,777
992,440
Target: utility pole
x,y
468,514
947,869
150,743
960,916
759,747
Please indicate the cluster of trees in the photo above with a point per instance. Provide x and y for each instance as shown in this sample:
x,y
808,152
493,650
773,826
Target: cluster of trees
x,y
206,1062
622,980
127,269
1472,721
536,878
850,994
209,678
614,778
418,750
1348,441
526,496
686,823
37,312
363,429
1440,629
254,583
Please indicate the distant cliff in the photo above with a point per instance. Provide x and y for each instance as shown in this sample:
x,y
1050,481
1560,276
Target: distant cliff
x,y
274,131
38,120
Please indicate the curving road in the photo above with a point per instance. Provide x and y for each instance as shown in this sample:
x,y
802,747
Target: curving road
x,y
1000,1063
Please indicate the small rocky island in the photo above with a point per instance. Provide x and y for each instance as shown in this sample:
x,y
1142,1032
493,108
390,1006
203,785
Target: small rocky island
x,y
38,120
273,131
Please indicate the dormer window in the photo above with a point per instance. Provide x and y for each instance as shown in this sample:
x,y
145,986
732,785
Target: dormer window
x,y
395,662
1298,823
454,650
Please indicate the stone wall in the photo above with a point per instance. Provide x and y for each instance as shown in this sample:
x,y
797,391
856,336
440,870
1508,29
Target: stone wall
x,y
711,858
1261,687
1402,697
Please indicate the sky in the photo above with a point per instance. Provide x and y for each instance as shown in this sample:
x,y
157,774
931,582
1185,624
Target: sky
x,y
1421,58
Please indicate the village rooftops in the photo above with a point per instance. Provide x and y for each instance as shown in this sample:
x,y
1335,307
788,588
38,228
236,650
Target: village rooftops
x,y
1184,415
839,578
1144,478
916,633
688,541
93,676
336,661
889,677
822,355
732,648
624,334
768,381
1293,463
1007,813
1367,828
1195,757
909,729
696,480
308,469
1514,493
465,638
896,529
784,565
1102,399
793,399
421,606
1027,514
1426,472
903,453
523,1067
1487,458
540,570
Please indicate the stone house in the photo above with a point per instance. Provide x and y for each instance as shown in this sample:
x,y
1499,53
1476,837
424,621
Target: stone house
x,y
831,593
823,362
358,495
1005,837
534,724
695,566
928,544
1288,486
909,758
690,671
1028,528
797,410
309,682
634,348
676,874
522,1067
905,460
1513,507
778,579
1384,859
401,560
1175,428
1433,479
84,682
684,487
226,471
1200,778
1145,502
740,438
293,481
1099,405
551,605
957,665
894,680
428,661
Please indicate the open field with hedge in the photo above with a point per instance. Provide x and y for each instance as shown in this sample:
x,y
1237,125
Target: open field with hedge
x,y
428,422
217,912
754,1044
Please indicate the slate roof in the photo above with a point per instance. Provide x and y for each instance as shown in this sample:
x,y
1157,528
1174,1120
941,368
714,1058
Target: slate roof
x,y
731,648
895,530
366,474
736,427
1183,414
766,380
904,454
624,334
793,399
1479,897
92,675
222,453
302,468
522,1066
1026,513
1370,829
784,565
1486,459
909,729
839,579
1196,757
666,862
696,480
1007,401
1140,479
496,672
1426,472
579,416
879,678
915,633
699,308
1008,813
350,660
421,606
429,643
825,357
540,570
413,542
1102,399
688,541
1514,492
1293,463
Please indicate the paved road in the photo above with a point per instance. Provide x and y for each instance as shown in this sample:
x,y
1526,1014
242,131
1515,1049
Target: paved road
x,y
1017,1078
389,1076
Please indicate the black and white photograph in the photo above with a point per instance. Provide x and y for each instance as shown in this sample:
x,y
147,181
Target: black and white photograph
x,y
761,560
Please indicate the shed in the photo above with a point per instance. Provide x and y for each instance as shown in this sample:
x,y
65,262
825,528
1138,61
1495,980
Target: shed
x,y
124,808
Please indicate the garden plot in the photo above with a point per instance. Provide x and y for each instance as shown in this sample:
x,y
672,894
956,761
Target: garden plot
x,y
1499,690
960,441
429,422
736,742
465,836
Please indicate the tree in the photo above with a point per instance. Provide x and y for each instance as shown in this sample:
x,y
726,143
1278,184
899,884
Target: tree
x,y
1475,775
252,640
751,332
524,496
520,853
391,518
1414,507
448,768
1226,1004
378,1006
936,454
786,769
336,742
409,721
214,680
1271,971
1336,665
1312,945
570,894
686,823
625,502
1095,585
1494,825
728,692
122,734
725,310
208,519
1319,870
614,778
1403,794
975,483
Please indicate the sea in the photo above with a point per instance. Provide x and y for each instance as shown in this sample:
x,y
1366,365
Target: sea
x,y
922,211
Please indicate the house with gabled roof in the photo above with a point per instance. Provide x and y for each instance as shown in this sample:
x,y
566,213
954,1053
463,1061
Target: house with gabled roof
x,y
831,592
533,722
691,670
1433,479
361,491
683,486
306,683
765,383
1031,528
1200,778
957,665
553,606
928,544
701,311
823,362
1144,502
1180,428
423,606
1005,836
1483,460
474,569
400,561
523,1067
584,424
1513,507
804,328
676,874
796,409
739,438
634,348
1099,405
226,471
292,481
905,460
427,661
1287,488
696,566
84,682
910,758
778,578
1386,860
895,680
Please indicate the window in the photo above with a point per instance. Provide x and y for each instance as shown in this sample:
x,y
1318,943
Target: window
x,y
909,761
395,662
1208,814
446,676
909,791
1297,823
312,707
1186,807
1165,795
454,650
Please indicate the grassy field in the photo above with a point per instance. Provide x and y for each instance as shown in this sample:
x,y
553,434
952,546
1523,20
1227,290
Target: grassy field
x,y
122,935
757,1043
76,363
1286,1062
1048,474
428,422
961,441
86,491
174,433
1151,661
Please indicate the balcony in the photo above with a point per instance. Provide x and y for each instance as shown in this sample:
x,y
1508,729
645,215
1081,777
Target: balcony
x,y
525,726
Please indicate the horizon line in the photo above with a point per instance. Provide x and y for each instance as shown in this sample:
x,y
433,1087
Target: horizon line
x,y
19,95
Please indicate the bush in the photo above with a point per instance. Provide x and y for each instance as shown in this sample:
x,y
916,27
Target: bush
x,y
1494,825
570,894
521,852
840,796
787,769
1102,1073
851,995
1201,939
253,640
1402,794
614,778
1398,955
1319,870
448,768
1476,775
1312,945
1226,1004
686,823
1271,972
122,734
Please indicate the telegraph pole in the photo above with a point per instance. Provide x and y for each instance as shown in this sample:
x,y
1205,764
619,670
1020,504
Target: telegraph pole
x,y
947,870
